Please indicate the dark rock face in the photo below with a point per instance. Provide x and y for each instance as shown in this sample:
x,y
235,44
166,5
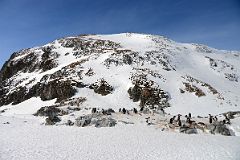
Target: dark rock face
x,y
48,62
135,93
127,59
149,97
57,89
19,95
47,65
24,61
10,68
54,89
102,87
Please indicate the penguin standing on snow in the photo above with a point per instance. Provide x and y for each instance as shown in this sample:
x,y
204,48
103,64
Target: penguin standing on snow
x,y
189,115
215,119
124,111
210,118
172,119
179,120
135,110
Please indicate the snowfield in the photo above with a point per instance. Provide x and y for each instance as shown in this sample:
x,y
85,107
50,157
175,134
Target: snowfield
x,y
25,139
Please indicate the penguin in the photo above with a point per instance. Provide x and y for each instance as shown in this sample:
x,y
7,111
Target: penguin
x,y
171,121
179,123
189,115
210,118
124,111
135,110
215,119
179,120
147,120
179,116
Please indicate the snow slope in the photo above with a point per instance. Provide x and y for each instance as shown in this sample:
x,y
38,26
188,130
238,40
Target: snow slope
x,y
163,61
25,139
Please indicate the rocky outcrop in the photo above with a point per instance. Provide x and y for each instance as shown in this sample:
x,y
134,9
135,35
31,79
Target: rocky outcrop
x,y
52,120
220,128
96,119
187,130
192,88
57,89
149,96
26,64
135,93
50,111
54,89
102,87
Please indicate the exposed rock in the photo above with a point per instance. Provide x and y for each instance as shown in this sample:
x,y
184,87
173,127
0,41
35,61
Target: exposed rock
x,y
231,114
135,93
127,59
52,120
187,130
57,89
102,88
106,122
50,111
72,101
69,123
47,65
193,88
149,97
219,128
97,120
84,121
26,64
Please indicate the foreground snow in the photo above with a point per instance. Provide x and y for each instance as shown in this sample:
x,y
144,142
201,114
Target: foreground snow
x,y
26,139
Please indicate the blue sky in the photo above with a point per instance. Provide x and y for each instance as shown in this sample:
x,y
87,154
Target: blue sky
x,y
28,23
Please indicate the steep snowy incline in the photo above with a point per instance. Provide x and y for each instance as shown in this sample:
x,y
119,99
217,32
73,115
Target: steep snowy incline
x,y
196,78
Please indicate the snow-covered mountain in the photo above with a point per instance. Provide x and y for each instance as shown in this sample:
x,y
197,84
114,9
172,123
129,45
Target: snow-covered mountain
x,y
137,85
176,77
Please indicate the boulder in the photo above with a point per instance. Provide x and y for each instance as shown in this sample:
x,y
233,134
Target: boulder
x,y
50,111
102,88
96,119
187,130
84,121
106,122
220,128
135,93
52,120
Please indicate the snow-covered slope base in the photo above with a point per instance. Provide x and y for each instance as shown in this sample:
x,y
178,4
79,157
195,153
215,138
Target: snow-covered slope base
x,y
25,139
